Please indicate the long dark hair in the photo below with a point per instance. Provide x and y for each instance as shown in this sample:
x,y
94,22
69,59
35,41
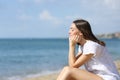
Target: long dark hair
x,y
86,30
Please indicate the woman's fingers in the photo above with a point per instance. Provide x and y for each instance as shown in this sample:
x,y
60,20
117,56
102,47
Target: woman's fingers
x,y
75,38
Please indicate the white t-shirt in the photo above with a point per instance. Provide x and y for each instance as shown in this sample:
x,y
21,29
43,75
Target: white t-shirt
x,y
101,63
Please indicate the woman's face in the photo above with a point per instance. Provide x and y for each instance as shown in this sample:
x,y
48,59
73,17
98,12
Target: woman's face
x,y
73,30
76,34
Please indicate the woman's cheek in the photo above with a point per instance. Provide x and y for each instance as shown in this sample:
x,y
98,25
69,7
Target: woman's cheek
x,y
75,33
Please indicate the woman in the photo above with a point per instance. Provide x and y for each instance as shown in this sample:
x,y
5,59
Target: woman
x,y
92,53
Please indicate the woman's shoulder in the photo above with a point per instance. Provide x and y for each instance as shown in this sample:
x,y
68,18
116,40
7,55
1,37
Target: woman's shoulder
x,y
92,43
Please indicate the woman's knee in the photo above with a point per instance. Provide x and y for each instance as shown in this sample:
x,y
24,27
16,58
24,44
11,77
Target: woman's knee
x,y
67,69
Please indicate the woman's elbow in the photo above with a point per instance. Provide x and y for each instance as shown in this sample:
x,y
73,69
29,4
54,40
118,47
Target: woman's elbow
x,y
74,66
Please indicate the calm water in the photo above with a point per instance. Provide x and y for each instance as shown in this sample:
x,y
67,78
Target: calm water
x,y
30,57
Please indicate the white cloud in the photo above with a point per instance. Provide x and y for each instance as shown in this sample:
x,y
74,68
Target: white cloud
x,y
40,1
111,4
90,3
24,17
114,4
22,1
46,16
35,1
72,17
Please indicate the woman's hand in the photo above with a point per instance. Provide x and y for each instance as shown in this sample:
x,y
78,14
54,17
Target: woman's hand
x,y
73,40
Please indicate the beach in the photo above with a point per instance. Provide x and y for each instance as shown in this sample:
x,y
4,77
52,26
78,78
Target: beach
x,y
118,65
54,76
40,59
45,77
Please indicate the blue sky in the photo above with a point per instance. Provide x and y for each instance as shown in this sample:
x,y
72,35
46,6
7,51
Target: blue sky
x,y
52,18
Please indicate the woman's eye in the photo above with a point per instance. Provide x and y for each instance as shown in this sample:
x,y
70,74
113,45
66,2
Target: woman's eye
x,y
71,29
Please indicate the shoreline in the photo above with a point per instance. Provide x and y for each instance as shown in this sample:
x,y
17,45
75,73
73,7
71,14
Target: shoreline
x,y
53,76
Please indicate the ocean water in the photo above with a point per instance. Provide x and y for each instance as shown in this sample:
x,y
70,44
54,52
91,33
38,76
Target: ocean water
x,y
21,58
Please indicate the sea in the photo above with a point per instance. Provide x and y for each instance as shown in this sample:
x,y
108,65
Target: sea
x,y
21,58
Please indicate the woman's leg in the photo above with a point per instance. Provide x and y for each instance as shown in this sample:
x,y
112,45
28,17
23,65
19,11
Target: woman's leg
x,y
78,74
64,74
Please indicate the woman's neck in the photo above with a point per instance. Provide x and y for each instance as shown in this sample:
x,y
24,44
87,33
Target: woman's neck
x,y
83,41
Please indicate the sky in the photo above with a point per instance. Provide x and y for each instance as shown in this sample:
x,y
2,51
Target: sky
x,y
52,18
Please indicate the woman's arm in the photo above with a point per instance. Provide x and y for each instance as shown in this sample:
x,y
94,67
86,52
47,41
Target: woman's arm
x,y
79,60
78,55
72,57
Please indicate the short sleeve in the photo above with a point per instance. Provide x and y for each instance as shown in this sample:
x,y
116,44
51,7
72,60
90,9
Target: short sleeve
x,y
90,48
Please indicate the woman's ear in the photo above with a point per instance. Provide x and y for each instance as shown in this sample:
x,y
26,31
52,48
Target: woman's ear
x,y
80,34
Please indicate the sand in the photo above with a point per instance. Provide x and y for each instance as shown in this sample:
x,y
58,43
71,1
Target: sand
x,y
118,65
45,77
54,76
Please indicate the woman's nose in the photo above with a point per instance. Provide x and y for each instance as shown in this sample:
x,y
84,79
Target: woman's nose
x,y
69,32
